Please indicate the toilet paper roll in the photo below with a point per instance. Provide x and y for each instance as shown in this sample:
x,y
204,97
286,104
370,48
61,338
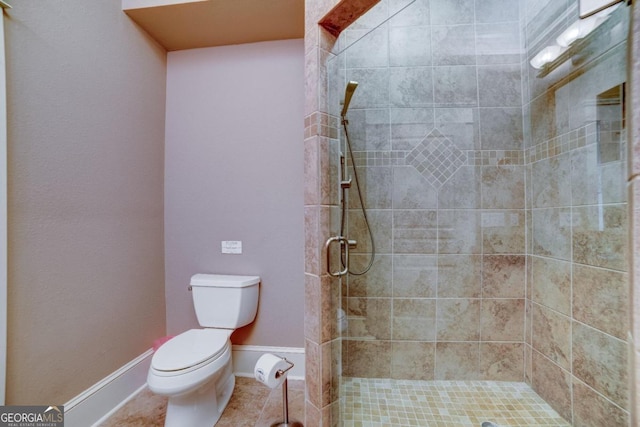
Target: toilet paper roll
x,y
266,370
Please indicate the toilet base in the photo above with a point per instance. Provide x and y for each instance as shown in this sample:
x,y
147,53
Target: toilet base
x,y
202,407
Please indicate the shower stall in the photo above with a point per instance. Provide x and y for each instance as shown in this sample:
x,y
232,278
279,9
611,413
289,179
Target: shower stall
x,y
495,193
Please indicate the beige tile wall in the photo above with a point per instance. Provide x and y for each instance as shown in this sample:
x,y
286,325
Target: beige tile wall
x,y
322,292
436,129
564,338
578,282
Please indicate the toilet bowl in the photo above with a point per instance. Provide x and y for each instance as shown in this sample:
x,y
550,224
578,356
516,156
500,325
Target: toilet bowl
x,y
194,369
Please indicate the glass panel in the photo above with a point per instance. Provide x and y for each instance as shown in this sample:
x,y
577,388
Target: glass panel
x,y
610,116
589,7
495,193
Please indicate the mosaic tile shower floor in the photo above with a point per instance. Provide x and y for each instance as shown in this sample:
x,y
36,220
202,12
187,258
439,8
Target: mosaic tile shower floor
x,y
385,402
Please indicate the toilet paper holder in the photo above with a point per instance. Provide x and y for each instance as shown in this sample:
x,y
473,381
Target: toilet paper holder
x,y
285,398
281,372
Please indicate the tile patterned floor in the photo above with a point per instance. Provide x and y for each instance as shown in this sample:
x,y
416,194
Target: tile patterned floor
x,y
371,403
385,402
251,405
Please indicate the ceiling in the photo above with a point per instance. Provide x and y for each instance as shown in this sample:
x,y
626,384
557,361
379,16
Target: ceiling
x,y
189,24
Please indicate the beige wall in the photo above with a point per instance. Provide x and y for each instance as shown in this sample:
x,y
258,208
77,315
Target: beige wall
x,y
234,171
86,102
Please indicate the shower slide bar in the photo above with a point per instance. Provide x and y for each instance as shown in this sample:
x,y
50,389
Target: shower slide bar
x,y
344,242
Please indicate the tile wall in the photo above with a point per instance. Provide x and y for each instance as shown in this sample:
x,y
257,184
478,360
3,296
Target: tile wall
x,y
500,257
436,126
577,294
322,292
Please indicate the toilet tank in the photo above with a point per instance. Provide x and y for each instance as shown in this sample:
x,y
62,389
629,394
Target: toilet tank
x,y
225,301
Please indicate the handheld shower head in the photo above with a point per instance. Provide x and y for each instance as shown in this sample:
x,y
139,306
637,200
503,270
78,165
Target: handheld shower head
x,y
351,88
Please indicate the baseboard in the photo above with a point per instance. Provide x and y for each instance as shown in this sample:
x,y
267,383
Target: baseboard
x,y
246,356
97,403
103,398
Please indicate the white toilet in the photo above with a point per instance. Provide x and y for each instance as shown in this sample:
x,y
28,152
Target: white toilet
x,y
194,368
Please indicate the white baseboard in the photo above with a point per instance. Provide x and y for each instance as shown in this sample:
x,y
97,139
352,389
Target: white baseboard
x,y
97,403
246,356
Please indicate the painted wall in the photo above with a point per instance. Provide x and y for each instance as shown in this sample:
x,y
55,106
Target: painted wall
x,y
234,171
86,103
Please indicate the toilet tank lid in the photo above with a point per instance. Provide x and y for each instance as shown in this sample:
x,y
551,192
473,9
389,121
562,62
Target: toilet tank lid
x,y
224,280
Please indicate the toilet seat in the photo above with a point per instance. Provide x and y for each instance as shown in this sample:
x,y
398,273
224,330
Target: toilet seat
x,y
190,350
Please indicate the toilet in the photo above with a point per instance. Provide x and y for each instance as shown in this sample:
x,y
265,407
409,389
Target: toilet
x,y
194,368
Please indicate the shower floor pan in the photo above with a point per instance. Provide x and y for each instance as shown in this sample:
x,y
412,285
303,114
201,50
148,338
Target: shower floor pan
x,y
387,402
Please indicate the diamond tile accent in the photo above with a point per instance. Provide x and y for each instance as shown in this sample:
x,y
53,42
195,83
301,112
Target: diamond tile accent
x,y
436,158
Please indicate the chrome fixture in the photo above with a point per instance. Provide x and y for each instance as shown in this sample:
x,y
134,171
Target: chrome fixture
x,y
351,88
344,245
345,184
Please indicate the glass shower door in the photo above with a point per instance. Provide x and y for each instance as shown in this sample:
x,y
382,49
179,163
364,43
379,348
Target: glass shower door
x,y
496,193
